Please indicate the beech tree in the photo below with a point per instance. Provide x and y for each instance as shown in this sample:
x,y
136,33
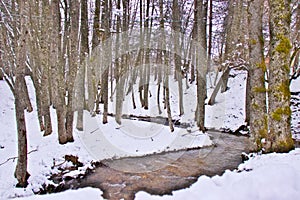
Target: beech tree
x,y
256,76
84,53
201,69
176,25
279,138
15,39
40,61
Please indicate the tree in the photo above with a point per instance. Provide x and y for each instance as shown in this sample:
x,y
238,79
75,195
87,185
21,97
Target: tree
x,y
256,75
14,40
279,138
21,94
120,78
84,52
40,61
176,25
166,61
58,50
107,53
92,83
146,66
201,67
295,37
234,36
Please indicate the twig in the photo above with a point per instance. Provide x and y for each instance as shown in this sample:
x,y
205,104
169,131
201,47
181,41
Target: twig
x,y
57,165
94,131
13,158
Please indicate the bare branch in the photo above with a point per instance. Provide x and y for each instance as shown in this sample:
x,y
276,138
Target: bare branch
x,y
13,158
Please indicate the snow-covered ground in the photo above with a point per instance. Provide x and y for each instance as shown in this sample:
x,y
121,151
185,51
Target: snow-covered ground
x,y
85,193
228,112
111,139
44,152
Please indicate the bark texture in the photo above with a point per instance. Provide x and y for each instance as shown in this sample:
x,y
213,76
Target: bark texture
x,y
256,76
279,138
21,101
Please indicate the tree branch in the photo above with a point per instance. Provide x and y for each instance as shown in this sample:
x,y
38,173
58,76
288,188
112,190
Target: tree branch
x,y
13,158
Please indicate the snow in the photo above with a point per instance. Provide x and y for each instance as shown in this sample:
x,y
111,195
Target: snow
x,y
295,85
111,140
261,177
85,193
44,151
228,112
273,176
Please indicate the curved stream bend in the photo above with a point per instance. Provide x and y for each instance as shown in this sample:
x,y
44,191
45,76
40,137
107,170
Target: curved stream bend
x,y
181,173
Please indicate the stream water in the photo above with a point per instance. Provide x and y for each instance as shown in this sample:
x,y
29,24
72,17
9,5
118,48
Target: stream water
x,y
163,173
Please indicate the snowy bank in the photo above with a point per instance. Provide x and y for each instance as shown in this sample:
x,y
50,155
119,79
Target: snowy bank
x,y
272,176
84,193
43,152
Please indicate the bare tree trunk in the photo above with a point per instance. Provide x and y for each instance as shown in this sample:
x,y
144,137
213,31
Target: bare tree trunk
x,y
105,74
21,169
93,79
147,57
201,66
233,36
203,22
210,31
167,92
73,66
194,36
118,74
21,98
57,70
141,57
256,76
176,25
166,58
46,75
96,27
248,100
160,56
84,52
279,138
295,36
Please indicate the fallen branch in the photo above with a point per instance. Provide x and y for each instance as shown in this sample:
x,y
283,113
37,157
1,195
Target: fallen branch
x,y
13,158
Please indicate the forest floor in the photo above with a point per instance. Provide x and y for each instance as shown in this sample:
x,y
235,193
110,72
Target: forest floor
x,y
263,174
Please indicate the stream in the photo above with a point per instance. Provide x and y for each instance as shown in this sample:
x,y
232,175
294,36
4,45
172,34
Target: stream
x,y
163,173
